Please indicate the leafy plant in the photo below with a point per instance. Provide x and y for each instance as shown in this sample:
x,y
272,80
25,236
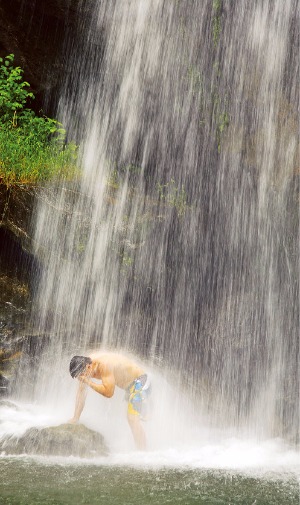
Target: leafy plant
x,y
13,90
32,147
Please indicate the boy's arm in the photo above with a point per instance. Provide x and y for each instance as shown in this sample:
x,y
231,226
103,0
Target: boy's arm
x,y
79,403
107,388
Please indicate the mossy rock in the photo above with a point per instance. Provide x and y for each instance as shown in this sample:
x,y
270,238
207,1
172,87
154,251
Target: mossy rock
x,y
62,440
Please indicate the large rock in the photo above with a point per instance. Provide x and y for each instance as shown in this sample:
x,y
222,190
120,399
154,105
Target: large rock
x,y
62,440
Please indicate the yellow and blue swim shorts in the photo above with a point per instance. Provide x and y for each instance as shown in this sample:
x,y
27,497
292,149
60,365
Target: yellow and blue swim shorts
x,y
137,395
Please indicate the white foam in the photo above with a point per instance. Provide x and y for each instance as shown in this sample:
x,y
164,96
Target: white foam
x,y
210,451
16,418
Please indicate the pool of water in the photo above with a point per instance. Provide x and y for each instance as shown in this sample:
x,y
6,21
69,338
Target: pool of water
x,y
40,481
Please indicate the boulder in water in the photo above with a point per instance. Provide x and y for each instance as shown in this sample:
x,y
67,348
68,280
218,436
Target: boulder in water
x,y
62,440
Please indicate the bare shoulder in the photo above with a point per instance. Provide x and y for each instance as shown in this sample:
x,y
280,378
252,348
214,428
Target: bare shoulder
x,y
96,356
116,367
110,358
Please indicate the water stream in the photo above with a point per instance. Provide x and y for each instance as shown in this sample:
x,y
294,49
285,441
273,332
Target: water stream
x,y
179,243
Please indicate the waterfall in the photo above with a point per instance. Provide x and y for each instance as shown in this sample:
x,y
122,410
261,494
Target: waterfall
x,y
179,242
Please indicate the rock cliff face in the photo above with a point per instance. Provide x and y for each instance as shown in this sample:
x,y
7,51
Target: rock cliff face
x,y
16,264
35,32
19,271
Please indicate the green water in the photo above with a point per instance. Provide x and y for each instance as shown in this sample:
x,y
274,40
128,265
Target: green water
x,y
28,482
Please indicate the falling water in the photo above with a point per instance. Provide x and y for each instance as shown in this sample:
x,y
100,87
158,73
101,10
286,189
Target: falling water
x,y
179,242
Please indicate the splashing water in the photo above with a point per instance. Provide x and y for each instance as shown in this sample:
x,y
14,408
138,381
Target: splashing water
x,y
179,243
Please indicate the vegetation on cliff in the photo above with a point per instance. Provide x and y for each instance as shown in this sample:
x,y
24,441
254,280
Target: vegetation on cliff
x,y
32,147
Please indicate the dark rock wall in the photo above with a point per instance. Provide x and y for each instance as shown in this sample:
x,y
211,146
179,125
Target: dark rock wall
x,y
35,31
16,265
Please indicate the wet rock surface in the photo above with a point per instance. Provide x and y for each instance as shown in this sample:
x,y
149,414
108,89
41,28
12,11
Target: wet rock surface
x,y
62,440
18,272
16,210
15,302
14,309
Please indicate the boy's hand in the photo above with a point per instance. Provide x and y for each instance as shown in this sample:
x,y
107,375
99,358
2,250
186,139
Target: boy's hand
x,y
72,421
83,378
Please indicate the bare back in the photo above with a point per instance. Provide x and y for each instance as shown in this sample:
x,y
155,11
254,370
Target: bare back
x,y
123,369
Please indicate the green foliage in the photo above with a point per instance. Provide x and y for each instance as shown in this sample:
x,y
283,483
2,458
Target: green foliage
x,y
220,117
113,179
213,96
116,175
173,196
196,88
32,147
13,90
216,22
222,124
26,159
195,79
126,260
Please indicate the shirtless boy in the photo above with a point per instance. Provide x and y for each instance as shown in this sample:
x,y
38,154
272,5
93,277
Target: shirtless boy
x,y
113,370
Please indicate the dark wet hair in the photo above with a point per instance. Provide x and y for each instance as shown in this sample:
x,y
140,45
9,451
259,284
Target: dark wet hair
x,y
78,365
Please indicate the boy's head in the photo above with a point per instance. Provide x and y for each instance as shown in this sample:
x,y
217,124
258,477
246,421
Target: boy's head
x,y
78,365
